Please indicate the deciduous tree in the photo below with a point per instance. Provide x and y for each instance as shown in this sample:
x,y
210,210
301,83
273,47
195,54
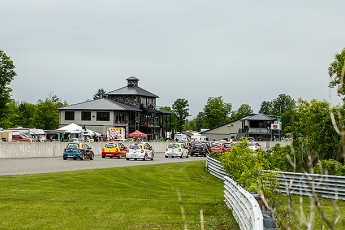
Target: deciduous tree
x,y
216,112
313,132
7,74
27,112
243,111
335,70
47,116
181,109
266,108
12,119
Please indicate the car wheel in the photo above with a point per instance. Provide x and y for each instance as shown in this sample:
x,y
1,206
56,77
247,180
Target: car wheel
x,y
127,159
187,156
166,156
65,158
135,159
103,156
181,155
74,158
91,157
119,156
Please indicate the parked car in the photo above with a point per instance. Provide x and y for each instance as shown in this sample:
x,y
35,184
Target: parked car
x,y
77,150
140,150
114,149
198,148
20,137
176,150
220,147
254,146
251,139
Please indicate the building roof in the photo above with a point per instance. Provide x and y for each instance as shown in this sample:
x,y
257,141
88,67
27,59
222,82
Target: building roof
x,y
258,117
227,124
100,104
164,111
132,90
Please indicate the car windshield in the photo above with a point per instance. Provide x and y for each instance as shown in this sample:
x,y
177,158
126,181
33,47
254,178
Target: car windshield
x,y
110,146
72,146
227,145
198,145
135,147
172,146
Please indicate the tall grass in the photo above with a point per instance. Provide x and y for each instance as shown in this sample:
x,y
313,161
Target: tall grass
x,y
138,197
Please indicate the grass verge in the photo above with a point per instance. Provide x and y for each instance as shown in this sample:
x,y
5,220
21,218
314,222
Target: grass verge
x,y
303,212
138,197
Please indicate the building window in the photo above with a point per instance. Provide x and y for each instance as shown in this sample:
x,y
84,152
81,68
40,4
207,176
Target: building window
x,y
86,116
119,118
69,115
103,116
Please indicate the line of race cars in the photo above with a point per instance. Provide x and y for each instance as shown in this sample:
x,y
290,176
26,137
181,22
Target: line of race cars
x,y
144,151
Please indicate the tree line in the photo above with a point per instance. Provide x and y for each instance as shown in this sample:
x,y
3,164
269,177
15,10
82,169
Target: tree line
x,y
316,120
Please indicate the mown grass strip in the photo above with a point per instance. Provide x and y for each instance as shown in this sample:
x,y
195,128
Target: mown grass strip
x,y
138,197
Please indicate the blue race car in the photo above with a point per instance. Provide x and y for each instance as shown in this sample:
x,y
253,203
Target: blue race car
x,y
77,150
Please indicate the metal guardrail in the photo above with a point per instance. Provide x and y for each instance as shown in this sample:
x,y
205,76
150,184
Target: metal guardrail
x,y
327,186
244,206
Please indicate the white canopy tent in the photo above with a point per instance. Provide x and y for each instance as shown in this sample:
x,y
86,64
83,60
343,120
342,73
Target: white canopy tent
x,y
71,128
79,132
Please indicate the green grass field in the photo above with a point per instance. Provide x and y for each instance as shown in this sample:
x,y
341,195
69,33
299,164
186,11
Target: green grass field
x,y
332,210
138,197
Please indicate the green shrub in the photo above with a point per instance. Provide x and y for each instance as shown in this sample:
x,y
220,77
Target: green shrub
x,y
329,167
281,158
241,164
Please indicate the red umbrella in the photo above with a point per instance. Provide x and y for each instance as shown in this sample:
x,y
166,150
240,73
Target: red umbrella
x,y
137,133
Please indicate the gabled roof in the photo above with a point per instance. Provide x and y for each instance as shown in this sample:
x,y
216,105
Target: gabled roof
x,y
227,124
100,104
258,117
132,90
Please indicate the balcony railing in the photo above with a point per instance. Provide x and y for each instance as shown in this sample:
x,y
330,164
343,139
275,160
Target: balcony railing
x,y
148,123
122,123
149,107
256,130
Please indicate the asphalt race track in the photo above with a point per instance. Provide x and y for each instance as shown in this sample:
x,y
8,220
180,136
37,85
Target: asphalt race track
x,y
46,165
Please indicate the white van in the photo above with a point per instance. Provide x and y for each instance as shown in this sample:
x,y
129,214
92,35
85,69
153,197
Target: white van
x,y
198,137
180,137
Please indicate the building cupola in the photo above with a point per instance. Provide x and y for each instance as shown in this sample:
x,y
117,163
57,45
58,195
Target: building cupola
x,y
132,81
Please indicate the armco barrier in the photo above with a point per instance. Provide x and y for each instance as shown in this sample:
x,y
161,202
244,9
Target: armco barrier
x,y
244,206
327,186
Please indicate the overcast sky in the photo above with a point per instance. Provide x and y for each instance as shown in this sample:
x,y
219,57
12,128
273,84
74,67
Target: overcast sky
x,y
245,51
